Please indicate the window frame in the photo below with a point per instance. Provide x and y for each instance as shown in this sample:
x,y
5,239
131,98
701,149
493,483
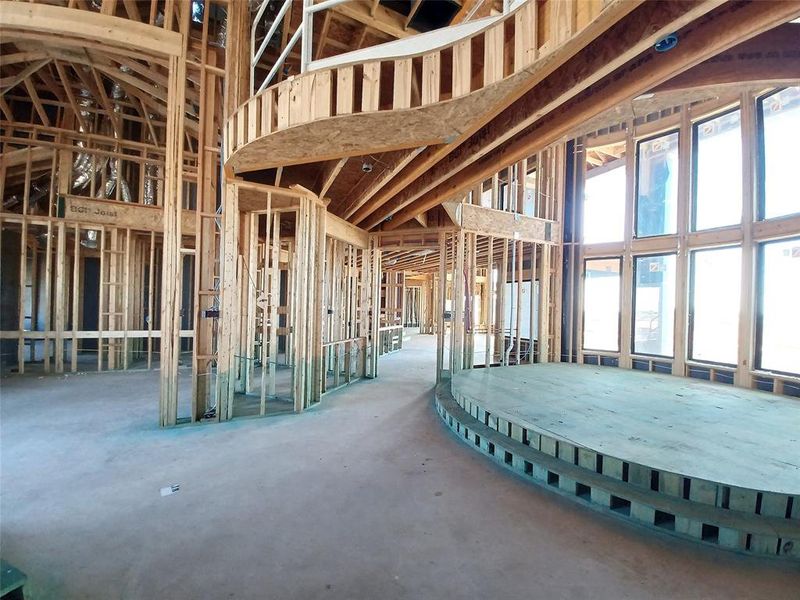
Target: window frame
x,y
583,347
761,160
636,180
619,163
695,142
635,258
690,313
759,306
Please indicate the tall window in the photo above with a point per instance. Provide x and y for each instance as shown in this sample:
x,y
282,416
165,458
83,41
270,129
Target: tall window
x,y
601,304
718,172
657,185
714,311
779,327
504,201
780,176
529,202
523,311
604,204
654,305
486,194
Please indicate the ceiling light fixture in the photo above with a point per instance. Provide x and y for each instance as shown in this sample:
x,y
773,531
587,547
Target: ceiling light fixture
x,y
666,43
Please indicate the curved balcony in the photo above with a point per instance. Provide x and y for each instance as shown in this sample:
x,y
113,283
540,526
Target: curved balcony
x,y
430,89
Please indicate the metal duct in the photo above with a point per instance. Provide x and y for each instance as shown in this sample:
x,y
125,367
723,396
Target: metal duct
x,y
111,183
89,238
82,171
150,174
222,29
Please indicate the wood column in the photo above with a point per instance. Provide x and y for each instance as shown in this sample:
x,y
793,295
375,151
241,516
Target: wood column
x,y
171,261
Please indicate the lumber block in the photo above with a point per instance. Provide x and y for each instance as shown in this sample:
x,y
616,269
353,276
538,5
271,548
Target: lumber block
x,y
548,445
612,467
642,512
703,491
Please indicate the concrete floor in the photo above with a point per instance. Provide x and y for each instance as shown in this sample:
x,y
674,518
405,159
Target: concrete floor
x,y
367,496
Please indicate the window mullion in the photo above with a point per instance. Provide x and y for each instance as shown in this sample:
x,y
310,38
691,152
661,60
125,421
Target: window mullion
x,y
744,364
626,304
685,160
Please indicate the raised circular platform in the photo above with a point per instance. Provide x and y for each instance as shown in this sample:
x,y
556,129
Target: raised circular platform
x,y
710,462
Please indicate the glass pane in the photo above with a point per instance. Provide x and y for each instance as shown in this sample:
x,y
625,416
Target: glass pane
x,y
604,206
718,192
781,113
601,297
523,311
486,196
715,304
529,203
657,186
654,305
780,326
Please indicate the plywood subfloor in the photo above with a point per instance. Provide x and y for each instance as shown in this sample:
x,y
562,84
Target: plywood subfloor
x,y
709,431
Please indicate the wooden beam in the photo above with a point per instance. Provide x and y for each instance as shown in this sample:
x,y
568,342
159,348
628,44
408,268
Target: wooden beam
x,y
108,7
8,83
770,58
339,229
383,19
382,180
132,9
113,117
471,10
503,224
37,103
322,34
26,56
328,175
140,217
112,31
6,109
412,12
67,83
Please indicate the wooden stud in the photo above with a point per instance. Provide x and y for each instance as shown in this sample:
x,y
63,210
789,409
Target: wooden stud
x,y
431,66
402,84
344,90
370,89
462,66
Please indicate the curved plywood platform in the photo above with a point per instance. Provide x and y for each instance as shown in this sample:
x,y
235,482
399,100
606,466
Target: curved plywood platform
x,y
708,462
430,96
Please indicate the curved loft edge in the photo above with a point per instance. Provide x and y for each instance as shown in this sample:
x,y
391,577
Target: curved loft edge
x,y
414,99
363,133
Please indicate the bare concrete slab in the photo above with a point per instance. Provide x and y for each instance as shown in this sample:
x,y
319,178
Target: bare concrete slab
x,y
367,496
703,430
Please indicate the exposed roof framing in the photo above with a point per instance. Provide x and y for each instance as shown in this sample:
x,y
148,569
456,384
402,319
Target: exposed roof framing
x,y
524,127
96,73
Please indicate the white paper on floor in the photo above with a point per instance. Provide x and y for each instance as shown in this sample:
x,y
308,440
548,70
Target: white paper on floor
x,y
168,491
